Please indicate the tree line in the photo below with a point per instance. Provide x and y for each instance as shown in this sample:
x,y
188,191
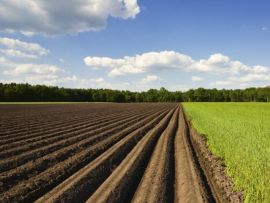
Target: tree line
x,y
40,93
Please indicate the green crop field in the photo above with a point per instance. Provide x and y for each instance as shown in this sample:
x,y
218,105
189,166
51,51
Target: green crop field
x,y
239,133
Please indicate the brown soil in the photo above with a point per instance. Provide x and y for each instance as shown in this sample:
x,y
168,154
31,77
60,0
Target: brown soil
x,y
107,153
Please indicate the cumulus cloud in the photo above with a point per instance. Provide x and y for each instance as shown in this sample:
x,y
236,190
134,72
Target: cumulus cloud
x,y
259,69
251,78
196,79
33,69
31,73
218,63
18,54
50,75
140,63
62,17
23,46
19,71
20,49
147,62
150,78
244,80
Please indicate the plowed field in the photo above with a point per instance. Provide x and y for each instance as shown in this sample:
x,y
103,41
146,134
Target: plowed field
x,y
103,153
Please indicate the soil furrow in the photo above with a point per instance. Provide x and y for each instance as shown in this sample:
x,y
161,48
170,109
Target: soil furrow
x,y
31,169
107,153
43,128
34,124
54,175
55,120
122,183
54,130
12,162
156,183
86,181
57,136
188,186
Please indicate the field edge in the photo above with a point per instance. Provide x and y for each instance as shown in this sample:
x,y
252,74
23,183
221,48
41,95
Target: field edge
x,y
222,186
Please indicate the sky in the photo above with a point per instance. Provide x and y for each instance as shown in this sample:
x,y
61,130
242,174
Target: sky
x,y
136,45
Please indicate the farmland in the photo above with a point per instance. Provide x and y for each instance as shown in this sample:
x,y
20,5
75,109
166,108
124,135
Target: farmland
x,y
239,133
103,153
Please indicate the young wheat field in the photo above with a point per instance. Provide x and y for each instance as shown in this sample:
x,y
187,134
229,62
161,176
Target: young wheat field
x,y
239,133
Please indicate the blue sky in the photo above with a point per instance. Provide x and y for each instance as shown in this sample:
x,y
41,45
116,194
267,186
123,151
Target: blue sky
x,y
136,45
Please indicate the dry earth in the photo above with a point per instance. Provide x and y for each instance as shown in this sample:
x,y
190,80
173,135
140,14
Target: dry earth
x,y
106,153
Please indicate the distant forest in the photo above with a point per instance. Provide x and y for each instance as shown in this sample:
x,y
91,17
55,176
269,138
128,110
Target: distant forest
x,y
40,93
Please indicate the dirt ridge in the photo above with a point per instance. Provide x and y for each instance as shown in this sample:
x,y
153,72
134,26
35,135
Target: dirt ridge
x,y
121,153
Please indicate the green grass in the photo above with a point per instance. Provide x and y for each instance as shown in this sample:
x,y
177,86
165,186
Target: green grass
x,y
240,134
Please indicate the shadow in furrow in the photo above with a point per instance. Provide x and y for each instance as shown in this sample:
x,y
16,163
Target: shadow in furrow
x,y
171,175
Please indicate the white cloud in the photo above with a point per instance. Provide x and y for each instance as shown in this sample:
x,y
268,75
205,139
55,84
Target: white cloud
x,y
16,48
223,83
4,63
244,80
31,73
33,69
140,63
147,82
259,69
264,28
150,78
2,59
252,78
25,72
18,54
154,61
62,17
196,79
52,75
230,74
97,80
218,63
28,34
103,62
16,44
